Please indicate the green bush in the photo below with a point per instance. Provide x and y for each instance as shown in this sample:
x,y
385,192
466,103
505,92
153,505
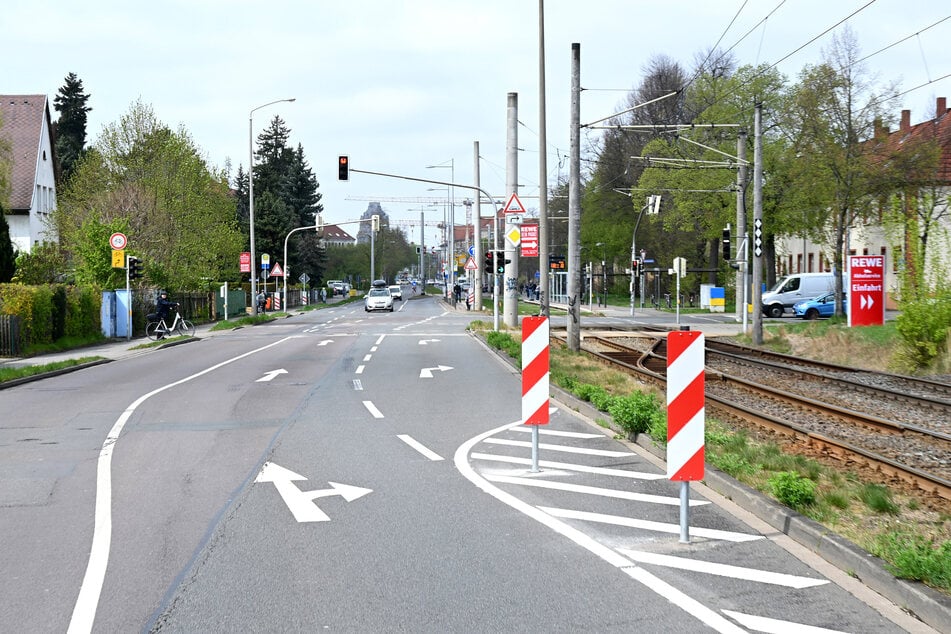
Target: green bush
x,y
602,400
59,311
923,327
878,498
504,342
915,557
635,412
792,489
587,392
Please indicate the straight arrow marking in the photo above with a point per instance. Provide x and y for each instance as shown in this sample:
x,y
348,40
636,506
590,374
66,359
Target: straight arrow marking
x,y
269,376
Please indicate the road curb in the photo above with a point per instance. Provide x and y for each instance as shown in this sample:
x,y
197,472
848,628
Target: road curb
x,y
924,603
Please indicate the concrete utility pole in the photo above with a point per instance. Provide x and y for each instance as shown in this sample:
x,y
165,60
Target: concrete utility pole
x,y
543,242
574,203
477,242
757,298
510,297
742,298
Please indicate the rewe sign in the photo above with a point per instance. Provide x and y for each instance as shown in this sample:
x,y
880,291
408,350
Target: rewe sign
x,y
866,290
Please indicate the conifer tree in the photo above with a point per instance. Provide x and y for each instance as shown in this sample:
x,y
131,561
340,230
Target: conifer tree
x,y
70,128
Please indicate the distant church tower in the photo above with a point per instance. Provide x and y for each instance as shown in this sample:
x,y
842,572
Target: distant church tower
x,y
363,235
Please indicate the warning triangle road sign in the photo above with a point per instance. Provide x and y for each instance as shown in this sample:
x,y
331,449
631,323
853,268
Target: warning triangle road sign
x,y
276,270
514,205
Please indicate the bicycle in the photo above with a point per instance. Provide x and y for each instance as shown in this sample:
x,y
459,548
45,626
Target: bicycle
x,y
156,330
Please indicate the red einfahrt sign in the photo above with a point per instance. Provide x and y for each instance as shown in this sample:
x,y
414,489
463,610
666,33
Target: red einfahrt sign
x,y
866,294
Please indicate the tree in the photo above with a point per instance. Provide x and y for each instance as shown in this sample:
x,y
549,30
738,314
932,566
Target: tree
x,y
70,128
7,251
609,206
831,115
178,213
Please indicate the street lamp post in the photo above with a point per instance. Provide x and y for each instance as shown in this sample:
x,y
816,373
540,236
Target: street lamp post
x,y
254,273
450,259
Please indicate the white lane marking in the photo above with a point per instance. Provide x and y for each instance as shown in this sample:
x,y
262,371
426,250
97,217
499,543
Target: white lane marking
x,y
563,434
374,348
660,527
372,409
619,473
723,570
415,444
358,385
682,600
775,626
589,490
367,357
324,342
649,581
564,448
380,340
84,612
359,369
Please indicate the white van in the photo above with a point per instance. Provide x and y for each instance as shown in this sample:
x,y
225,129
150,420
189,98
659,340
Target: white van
x,y
796,288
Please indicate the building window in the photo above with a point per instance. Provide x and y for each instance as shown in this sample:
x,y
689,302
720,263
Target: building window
x,y
811,260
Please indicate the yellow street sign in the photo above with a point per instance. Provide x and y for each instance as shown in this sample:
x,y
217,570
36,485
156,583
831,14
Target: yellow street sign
x,y
118,258
514,236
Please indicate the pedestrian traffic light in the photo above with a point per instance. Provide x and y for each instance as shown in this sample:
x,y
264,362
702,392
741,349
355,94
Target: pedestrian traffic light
x,y
136,268
726,243
343,168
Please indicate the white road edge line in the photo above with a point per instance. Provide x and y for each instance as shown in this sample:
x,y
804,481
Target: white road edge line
x,y
563,448
568,466
372,409
647,525
775,626
589,490
418,446
84,611
701,612
564,434
723,570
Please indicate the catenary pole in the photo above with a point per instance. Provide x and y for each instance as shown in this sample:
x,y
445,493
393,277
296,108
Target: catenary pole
x,y
574,203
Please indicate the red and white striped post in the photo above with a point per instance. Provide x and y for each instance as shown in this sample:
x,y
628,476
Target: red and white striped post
x,y
685,415
535,371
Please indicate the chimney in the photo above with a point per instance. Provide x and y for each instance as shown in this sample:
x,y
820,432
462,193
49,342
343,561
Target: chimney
x,y
942,107
905,120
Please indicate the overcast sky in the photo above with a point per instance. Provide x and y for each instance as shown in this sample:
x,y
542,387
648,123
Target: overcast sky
x,y
402,84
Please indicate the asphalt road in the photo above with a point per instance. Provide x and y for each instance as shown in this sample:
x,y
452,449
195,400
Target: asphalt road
x,y
350,472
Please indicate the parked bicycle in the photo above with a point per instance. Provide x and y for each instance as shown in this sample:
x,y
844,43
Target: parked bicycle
x,y
180,326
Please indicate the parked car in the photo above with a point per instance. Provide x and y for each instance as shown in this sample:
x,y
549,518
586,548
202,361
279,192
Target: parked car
x,y
397,292
796,288
822,306
378,299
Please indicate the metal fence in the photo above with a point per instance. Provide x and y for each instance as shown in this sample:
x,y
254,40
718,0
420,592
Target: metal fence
x,y
11,341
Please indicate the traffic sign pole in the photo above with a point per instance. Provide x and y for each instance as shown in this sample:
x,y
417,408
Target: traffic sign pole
x,y
685,416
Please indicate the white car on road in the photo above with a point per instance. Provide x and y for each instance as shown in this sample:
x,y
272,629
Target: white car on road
x,y
378,299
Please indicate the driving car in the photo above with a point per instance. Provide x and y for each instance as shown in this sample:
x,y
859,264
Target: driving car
x,y
378,299
822,306
397,292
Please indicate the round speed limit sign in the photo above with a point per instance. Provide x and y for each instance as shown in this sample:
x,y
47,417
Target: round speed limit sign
x,y
117,241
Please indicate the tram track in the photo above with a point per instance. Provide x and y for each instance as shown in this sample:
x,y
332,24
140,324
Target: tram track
x,y
912,446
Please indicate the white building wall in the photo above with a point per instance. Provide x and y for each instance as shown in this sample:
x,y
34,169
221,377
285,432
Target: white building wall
x,y
44,194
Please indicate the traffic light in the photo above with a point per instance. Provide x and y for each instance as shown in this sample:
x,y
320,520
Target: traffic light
x,y
634,264
375,222
136,268
343,168
500,268
726,243
490,261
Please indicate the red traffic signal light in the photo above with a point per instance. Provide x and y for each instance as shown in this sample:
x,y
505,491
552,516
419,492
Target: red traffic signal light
x,y
343,168
490,260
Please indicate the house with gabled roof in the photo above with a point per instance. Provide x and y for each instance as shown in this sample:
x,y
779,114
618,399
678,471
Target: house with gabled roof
x,y
27,127
797,254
